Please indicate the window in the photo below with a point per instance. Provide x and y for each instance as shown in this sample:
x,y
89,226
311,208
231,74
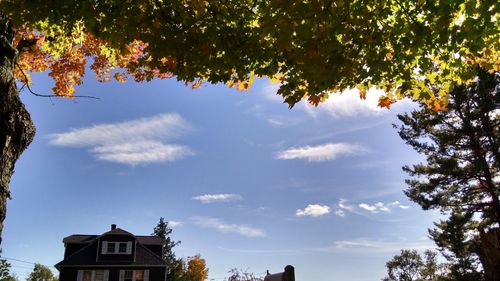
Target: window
x,y
111,247
122,248
134,275
128,276
99,275
93,275
87,275
114,248
139,275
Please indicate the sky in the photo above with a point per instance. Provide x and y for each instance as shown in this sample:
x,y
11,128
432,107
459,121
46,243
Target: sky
x,y
244,181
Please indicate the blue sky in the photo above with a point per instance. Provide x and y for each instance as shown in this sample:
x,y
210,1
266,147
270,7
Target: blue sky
x,y
244,181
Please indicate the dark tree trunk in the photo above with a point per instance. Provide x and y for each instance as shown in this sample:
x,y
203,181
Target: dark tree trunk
x,y
490,258
16,127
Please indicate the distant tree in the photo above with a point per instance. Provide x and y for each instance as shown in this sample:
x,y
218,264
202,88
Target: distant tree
x,y
176,266
41,273
410,266
461,174
196,269
163,230
5,273
241,275
177,271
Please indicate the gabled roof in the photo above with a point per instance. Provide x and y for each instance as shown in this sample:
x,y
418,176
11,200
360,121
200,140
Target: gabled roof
x,y
118,231
85,239
87,257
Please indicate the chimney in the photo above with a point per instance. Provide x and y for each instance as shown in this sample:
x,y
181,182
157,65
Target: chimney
x,y
113,226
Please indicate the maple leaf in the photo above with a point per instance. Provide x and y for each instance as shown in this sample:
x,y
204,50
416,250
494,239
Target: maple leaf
x,y
385,102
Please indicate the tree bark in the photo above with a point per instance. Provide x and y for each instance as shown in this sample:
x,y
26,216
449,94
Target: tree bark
x,y
490,258
16,127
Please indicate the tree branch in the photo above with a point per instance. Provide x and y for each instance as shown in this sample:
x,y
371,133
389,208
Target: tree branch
x,y
47,96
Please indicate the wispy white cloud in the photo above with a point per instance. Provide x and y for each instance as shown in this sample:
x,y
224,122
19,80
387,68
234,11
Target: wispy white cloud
x,y
210,198
345,206
313,210
270,92
377,246
275,122
140,141
363,208
382,207
340,213
360,246
224,227
173,223
320,153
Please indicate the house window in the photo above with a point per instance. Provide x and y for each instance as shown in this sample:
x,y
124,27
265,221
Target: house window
x,y
93,275
122,248
134,275
87,275
139,275
116,247
128,276
99,275
111,247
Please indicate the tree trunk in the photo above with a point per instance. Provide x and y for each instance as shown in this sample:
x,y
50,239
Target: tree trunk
x,y
16,127
490,244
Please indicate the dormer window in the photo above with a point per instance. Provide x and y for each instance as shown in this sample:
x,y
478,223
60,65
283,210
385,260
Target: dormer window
x,y
116,248
122,248
111,248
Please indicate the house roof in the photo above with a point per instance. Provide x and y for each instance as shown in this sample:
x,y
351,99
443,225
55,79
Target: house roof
x,y
87,257
85,239
79,238
118,231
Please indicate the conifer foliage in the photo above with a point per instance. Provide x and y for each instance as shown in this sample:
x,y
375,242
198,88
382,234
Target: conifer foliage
x,y
461,174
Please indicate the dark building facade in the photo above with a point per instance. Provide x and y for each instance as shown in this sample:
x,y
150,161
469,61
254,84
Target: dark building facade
x,y
116,255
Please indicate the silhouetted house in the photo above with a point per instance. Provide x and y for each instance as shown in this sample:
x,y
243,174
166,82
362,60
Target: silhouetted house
x,y
116,255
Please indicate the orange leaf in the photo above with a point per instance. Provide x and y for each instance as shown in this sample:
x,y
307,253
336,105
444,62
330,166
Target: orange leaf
x,y
241,86
385,102
362,94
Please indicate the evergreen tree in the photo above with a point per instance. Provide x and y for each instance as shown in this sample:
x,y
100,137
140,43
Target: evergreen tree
x,y
175,265
461,174
163,230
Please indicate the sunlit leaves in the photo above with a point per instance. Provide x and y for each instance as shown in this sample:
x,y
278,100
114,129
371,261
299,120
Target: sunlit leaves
x,y
408,48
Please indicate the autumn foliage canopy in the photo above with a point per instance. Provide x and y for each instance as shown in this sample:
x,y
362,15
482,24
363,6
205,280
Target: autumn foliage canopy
x,y
409,48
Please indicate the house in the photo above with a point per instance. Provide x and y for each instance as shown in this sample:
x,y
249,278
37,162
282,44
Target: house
x,y
116,255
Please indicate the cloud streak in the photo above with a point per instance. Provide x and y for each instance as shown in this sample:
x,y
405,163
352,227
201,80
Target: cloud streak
x,y
377,246
319,153
360,246
365,208
211,198
141,141
221,226
382,207
313,210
